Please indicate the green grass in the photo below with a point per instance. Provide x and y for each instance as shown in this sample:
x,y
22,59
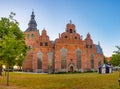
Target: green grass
x,y
61,81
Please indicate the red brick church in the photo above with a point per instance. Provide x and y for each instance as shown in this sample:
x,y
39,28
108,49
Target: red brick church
x,y
69,52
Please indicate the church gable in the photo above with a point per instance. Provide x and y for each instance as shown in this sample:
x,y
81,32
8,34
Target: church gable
x,y
70,33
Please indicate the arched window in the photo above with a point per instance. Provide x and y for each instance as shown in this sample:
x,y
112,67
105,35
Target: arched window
x,y
39,64
46,43
71,31
92,61
78,58
75,37
50,60
63,58
65,36
32,35
41,44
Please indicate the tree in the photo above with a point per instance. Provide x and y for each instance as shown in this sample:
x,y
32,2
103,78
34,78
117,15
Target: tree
x,y
105,60
115,59
12,43
19,60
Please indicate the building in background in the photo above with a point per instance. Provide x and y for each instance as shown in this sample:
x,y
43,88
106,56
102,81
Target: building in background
x,y
108,59
69,52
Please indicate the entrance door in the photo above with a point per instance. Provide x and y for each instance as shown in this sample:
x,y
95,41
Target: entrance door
x,y
71,69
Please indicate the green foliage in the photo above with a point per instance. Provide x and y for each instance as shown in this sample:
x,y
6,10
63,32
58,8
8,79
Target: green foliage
x,y
12,41
19,60
115,59
105,60
12,44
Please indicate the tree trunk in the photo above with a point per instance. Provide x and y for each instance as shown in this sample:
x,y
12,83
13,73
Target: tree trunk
x,y
0,70
7,76
20,68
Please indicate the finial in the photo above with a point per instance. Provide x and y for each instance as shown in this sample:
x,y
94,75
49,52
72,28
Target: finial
x,y
88,35
70,22
32,11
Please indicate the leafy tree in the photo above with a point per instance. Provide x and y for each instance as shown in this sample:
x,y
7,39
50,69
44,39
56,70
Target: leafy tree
x,y
105,60
115,59
12,43
19,60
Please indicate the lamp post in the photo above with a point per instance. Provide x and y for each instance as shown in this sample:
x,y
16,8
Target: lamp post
x,y
119,75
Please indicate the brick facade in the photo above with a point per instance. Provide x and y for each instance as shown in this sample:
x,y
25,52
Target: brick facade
x,y
69,52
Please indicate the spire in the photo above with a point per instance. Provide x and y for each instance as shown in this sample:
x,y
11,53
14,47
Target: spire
x,y
32,16
32,25
99,43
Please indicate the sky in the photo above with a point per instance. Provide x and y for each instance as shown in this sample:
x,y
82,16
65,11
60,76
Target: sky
x,y
101,18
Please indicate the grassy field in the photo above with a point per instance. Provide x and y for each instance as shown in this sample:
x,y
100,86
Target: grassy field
x,y
61,81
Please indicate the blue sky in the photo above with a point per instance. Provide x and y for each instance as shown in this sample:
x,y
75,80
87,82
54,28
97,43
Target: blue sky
x,y
101,18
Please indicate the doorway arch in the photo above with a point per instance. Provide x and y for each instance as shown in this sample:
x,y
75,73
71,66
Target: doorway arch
x,y
71,69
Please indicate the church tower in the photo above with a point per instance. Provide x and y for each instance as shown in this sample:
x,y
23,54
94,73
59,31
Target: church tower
x,y
31,33
31,39
40,56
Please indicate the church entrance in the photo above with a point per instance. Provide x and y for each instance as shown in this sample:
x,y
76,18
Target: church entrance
x,y
71,69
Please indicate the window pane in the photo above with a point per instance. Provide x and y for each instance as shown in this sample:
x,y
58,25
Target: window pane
x,y
46,43
78,56
63,58
32,35
41,44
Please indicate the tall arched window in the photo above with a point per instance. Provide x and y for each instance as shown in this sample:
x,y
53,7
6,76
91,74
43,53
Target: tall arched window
x,y
50,60
78,58
39,64
32,35
63,58
92,61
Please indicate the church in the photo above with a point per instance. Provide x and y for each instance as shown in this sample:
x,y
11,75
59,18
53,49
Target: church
x,y
69,52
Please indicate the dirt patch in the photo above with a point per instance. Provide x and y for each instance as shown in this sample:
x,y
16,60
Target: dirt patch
x,y
9,87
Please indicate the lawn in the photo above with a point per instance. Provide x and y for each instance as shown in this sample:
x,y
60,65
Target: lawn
x,y
61,81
